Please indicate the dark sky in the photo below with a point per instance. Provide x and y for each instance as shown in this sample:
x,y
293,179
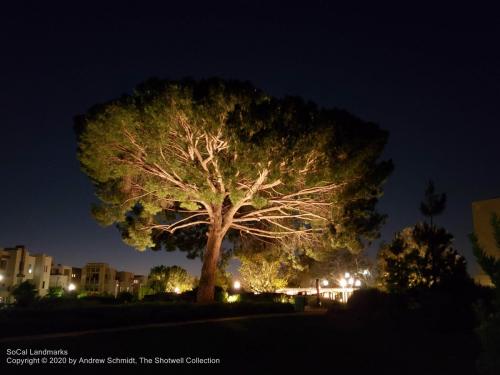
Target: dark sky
x,y
429,75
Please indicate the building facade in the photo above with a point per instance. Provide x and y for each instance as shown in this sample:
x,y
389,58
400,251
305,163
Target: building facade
x,y
60,276
76,277
99,278
125,281
18,265
482,212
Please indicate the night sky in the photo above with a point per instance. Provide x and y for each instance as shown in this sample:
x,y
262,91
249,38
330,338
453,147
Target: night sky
x,y
429,75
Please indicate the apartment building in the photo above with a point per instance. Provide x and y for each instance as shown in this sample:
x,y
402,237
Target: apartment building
x,y
481,215
60,276
76,277
125,281
138,282
18,265
99,278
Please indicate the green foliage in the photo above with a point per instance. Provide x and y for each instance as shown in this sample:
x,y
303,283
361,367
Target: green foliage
x,y
423,255
55,292
420,256
25,294
177,158
331,264
169,279
262,274
122,145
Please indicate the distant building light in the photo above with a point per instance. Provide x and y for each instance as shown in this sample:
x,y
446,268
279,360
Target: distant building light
x,y
343,283
177,290
30,270
357,283
351,281
347,275
325,282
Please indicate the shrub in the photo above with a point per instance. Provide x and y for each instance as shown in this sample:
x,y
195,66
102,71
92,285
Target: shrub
x,y
25,294
447,309
373,304
100,299
125,297
266,297
367,299
55,292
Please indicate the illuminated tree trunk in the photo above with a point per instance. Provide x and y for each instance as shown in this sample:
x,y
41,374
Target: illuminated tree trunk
x,y
215,235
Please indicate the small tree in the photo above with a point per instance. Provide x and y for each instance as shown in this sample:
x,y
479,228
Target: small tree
x,y
25,294
170,279
422,255
434,203
262,275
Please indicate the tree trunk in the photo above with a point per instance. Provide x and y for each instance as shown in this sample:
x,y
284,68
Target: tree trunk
x,y
207,279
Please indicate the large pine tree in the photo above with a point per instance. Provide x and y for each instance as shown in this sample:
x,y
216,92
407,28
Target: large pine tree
x,y
183,164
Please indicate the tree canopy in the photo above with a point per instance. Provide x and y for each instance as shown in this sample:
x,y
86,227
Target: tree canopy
x,y
169,279
422,255
263,274
180,164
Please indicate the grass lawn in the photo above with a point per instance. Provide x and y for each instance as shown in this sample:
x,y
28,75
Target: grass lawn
x,y
335,344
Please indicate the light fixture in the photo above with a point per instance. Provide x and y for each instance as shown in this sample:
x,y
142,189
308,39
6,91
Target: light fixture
x,y
357,283
1,277
325,282
351,281
71,287
347,275
237,285
343,283
177,290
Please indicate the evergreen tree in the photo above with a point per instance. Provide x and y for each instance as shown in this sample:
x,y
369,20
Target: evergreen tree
x,y
186,164
169,279
422,255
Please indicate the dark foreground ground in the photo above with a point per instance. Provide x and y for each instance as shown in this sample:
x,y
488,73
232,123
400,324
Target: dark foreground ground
x,y
288,344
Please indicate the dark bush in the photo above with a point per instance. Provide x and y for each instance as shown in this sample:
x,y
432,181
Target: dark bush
x,y
332,305
161,297
100,299
447,309
25,294
367,299
264,297
15,322
125,297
